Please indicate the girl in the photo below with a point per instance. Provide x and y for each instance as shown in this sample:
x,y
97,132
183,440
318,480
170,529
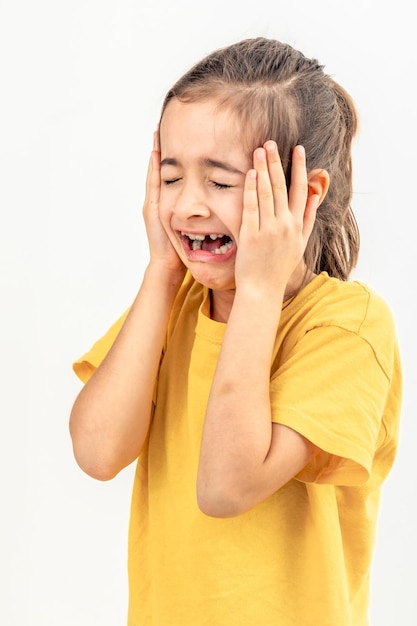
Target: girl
x,y
258,388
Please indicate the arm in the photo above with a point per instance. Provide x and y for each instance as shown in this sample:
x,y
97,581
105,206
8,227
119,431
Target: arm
x,y
244,457
110,418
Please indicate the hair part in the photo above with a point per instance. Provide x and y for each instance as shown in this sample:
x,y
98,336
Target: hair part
x,y
277,93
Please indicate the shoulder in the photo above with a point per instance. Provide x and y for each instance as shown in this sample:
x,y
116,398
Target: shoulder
x,y
339,359
350,307
188,297
85,366
349,304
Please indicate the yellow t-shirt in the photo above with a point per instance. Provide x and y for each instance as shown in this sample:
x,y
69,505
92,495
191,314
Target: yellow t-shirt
x,y
301,557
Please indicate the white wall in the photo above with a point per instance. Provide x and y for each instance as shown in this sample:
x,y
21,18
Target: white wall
x,y
81,86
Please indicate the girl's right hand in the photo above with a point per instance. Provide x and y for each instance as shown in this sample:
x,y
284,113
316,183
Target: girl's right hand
x,y
160,247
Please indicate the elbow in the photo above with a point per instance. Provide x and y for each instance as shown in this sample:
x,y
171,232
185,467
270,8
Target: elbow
x,y
98,471
95,465
217,508
221,501
96,461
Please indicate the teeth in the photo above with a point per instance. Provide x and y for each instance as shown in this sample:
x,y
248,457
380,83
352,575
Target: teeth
x,y
200,237
223,249
197,241
193,236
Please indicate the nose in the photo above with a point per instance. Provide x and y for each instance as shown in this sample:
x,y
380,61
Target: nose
x,y
191,202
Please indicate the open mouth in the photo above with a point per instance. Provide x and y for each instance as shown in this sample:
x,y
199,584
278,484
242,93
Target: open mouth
x,y
214,242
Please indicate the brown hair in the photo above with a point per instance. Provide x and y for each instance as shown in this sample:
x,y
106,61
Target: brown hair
x,y
278,93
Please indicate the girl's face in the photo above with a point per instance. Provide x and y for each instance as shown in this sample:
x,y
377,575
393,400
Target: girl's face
x,y
203,169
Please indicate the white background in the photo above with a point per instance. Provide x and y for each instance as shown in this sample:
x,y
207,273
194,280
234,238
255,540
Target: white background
x,y
81,84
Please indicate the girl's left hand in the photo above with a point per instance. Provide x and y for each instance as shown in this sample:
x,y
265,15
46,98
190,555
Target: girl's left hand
x,y
276,223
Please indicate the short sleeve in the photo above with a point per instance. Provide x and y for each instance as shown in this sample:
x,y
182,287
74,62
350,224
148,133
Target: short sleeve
x,y
85,366
333,390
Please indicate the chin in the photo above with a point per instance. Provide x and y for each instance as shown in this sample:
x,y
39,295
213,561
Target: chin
x,y
206,277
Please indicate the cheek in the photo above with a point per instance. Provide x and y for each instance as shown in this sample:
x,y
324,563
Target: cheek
x,y
236,212
165,209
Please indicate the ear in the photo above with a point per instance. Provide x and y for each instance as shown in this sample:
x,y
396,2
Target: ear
x,y
318,184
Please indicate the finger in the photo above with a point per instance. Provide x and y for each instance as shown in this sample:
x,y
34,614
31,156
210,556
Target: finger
x,y
154,163
310,213
298,192
264,187
250,215
156,140
277,177
153,178
153,174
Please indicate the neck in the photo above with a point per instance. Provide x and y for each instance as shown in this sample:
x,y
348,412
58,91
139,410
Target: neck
x,y
221,303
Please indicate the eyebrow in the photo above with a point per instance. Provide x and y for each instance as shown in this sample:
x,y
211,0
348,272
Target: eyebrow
x,y
221,165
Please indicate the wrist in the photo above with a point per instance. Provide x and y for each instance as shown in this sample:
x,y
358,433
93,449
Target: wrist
x,y
163,276
258,294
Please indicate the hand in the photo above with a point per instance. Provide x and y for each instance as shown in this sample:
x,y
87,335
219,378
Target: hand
x,y
276,223
161,249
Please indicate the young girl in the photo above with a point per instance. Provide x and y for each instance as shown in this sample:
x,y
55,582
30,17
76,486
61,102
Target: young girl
x,y
259,390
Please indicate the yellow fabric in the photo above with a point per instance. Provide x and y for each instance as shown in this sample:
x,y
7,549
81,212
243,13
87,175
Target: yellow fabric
x,y
302,557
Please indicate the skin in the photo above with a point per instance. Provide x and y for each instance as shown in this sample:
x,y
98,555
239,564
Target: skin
x,y
244,457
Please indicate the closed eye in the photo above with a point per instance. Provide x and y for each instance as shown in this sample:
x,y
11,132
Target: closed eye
x,y
220,185
171,181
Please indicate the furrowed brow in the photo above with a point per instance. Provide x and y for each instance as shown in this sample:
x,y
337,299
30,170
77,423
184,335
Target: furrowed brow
x,y
221,165
169,161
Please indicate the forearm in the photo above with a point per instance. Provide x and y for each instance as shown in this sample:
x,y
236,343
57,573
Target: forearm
x,y
238,429
110,418
244,456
